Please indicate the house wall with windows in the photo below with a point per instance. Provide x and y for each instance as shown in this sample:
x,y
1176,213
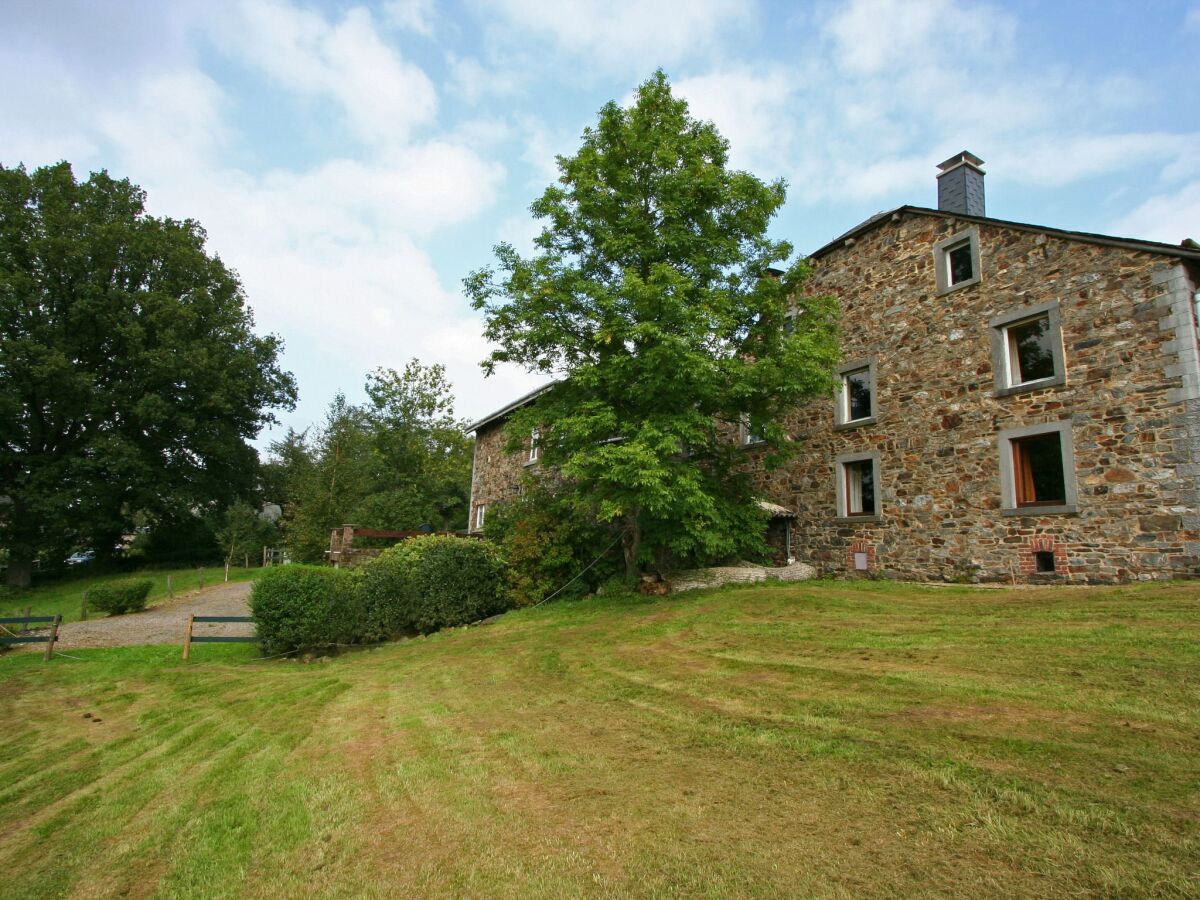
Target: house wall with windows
x,y
1016,405
496,475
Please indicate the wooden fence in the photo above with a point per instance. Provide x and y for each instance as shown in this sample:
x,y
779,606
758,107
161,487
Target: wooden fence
x,y
189,638
8,637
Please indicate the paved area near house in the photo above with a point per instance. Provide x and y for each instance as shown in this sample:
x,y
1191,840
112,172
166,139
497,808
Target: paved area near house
x,y
161,624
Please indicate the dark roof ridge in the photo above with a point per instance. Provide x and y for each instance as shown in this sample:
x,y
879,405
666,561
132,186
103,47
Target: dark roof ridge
x,y
1086,236
511,407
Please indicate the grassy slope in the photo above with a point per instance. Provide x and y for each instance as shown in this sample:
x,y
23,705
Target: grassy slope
x,y
827,739
66,597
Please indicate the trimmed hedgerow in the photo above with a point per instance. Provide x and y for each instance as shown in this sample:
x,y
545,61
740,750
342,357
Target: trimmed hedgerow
x,y
432,582
304,607
117,597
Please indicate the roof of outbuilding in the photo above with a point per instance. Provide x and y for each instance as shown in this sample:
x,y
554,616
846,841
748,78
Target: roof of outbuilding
x,y
1085,236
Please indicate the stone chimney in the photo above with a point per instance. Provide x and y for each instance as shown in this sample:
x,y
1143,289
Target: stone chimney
x,y
960,185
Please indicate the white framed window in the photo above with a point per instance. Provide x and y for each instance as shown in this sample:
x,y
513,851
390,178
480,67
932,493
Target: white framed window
x,y
533,446
1037,470
856,402
747,434
1027,349
858,489
956,261
480,515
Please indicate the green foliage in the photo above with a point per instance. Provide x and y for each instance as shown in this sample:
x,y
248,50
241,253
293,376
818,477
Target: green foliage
x,y
243,532
117,597
653,297
432,582
399,461
300,607
132,375
177,539
547,538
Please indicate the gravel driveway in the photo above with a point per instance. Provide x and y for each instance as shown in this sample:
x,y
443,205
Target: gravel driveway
x,y
162,624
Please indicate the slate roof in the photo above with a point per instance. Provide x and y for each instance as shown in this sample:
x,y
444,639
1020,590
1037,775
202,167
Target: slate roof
x,y
1085,236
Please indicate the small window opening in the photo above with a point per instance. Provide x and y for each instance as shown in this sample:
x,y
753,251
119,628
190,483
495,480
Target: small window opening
x,y
1044,560
1030,357
1038,466
857,392
959,262
860,488
533,446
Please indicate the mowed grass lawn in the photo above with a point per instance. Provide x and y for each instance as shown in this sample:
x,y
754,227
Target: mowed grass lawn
x,y
831,739
65,596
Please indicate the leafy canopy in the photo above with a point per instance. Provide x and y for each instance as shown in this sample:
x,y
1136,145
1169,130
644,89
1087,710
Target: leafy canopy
x,y
653,297
131,379
399,461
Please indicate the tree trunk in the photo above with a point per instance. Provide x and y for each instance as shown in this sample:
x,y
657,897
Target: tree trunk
x,y
20,568
631,544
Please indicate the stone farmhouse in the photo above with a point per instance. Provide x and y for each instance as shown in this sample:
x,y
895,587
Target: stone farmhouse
x,y
1017,403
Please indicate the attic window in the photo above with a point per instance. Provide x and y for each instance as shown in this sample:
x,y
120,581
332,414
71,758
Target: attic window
x,y
956,261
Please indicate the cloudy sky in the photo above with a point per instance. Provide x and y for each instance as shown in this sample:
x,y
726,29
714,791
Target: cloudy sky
x,y
353,161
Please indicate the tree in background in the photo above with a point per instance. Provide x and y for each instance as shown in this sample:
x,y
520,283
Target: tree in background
x,y
243,532
652,298
399,461
131,379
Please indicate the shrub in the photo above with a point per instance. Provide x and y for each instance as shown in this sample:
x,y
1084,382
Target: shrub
x,y
118,597
547,539
432,582
304,607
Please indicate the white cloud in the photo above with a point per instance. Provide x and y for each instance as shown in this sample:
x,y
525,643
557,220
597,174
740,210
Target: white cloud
x,y
382,96
1168,217
1191,22
628,35
411,15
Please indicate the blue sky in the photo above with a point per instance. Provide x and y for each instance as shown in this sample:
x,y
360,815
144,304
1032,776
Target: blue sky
x,y
353,161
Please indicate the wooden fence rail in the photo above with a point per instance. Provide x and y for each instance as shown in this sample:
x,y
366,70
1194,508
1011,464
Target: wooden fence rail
x,y
189,638
49,639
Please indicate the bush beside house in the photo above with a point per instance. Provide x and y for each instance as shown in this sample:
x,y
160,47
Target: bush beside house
x,y
303,607
419,586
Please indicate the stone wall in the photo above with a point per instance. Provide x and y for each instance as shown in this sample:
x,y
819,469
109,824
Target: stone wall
x,y
495,475
937,418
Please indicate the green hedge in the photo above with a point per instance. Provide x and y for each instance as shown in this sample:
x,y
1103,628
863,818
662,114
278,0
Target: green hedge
x,y
304,607
118,597
432,582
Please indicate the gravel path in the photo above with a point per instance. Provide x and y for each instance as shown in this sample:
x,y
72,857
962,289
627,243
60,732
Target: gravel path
x,y
162,624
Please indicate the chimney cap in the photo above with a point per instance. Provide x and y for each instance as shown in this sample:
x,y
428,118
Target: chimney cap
x,y
958,159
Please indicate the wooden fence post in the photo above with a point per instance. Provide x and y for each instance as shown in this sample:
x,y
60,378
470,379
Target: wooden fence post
x,y
53,637
83,608
187,636
227,570
25,627
202,577
170,589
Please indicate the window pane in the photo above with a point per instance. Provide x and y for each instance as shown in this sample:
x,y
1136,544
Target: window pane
x,y
858,395
1029,346
860,488
1040,477
961,268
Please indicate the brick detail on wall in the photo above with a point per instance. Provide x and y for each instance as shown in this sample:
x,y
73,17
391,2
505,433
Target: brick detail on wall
x,y
1044,543
852,556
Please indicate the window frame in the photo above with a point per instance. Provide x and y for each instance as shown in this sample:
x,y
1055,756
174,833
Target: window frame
x,y
534,454
1008,475
941,260
1002,362
840,472
480,515
747,438
841,409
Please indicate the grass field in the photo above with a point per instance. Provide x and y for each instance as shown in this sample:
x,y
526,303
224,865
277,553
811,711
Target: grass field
x,y
65,597
828,740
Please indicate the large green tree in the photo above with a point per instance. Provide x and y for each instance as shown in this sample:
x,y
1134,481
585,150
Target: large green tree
x,y
131,378
654,298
